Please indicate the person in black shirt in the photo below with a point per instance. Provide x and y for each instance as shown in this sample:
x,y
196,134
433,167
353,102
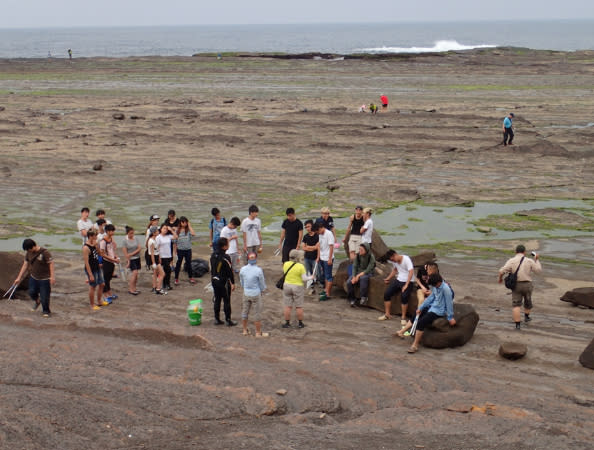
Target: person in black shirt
x,y
291,234
222,281
352,238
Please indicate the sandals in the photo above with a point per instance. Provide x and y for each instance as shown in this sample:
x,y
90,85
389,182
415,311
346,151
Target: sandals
x,y
384,317
133,292
413,349
399,334
263,335
246,333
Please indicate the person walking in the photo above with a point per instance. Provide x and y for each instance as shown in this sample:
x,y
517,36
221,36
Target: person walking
x,y
522,292
41,266
131,248
252,280
508,130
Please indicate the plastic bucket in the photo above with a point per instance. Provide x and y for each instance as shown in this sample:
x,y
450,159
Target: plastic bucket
x,y
194,311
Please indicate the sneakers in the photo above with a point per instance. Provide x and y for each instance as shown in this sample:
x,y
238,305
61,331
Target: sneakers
x,y
192,281
107,301
363,301
176,282
262,335
527,318
301,325
353,302
35,306
160,292
287,325
46,315
153,290
383,317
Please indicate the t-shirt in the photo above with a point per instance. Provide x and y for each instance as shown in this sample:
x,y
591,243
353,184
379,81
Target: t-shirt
x,y
328,223
311,241
84,225
109,248
184,240
292,230
131,246
366,237
251,228
38,263
164,244
403,269
507,122
174,224
152,246
326,241
295,274
228,233
216,226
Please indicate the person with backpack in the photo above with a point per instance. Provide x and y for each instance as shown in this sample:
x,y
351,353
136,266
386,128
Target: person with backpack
x,y
522,267
363,266
107,250
222,281
216,225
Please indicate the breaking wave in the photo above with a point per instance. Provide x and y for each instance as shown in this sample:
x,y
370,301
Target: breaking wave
x,y
439,46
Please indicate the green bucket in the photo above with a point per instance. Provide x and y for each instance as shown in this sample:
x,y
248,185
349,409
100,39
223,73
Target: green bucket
x,y
195,311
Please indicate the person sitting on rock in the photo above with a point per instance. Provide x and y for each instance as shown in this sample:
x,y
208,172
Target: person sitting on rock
x,y
438,304
404,271
363,266
423,289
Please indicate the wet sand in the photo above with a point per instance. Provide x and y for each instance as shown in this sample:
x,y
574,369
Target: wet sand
x,y
199,132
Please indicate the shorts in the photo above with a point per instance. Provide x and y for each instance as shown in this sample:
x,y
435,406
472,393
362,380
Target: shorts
x,y
293,295
327,269
523,291
248,302
354,242
97,275
157,260
135,264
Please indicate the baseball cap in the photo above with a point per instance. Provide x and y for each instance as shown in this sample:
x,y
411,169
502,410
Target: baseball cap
x,y
154,217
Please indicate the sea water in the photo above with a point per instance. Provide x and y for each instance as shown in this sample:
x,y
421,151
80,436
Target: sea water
x,y
327,38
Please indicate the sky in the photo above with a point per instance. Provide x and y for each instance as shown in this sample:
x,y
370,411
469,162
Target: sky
x,y
65,13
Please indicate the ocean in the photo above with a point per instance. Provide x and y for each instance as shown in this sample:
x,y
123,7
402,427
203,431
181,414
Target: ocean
x,y
566,35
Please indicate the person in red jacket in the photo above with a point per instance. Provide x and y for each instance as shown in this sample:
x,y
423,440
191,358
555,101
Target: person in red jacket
x,y
384,100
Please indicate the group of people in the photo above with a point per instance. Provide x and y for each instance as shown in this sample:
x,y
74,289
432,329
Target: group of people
x,y
307,255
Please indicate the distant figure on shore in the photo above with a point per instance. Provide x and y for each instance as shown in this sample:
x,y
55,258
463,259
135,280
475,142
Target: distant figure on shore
x,y
70,54
522,292
384,101
372,108
508,130
362,108
49,54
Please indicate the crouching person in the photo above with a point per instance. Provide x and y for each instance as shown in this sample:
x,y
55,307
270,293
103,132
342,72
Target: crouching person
x,y
439,304
253,283
363,265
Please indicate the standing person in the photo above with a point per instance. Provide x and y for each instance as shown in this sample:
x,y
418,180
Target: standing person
x,y
352,238
94,272
328,221
107,250
230,233
184,248
131,248
325,257
84,224
100,215
216,225
310,244
252,232
99,228
252,280
153,251
403,283
222,281
367,228
523,290
438,304
165,243
384,101
294,289
291,234
70,54
172,222
153,222
508,130
363,266
41,278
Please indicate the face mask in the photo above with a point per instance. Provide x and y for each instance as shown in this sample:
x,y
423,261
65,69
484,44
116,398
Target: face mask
x,y
252,261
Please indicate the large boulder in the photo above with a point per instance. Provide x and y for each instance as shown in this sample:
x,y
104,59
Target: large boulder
x,y
587,357
382,270
11,263
512,350
378,246
583,296
441,335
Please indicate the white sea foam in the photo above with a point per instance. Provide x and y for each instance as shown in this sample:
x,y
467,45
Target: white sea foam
x,y
439,46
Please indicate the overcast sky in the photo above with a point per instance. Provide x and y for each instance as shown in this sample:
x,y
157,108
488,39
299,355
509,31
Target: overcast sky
x,y
60,13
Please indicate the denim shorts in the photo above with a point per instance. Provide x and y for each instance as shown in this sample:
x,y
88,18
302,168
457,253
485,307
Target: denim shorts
x,y
98,276
327,268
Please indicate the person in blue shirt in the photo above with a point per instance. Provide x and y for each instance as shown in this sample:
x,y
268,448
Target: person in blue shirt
x,y
508,131
440,303
252,280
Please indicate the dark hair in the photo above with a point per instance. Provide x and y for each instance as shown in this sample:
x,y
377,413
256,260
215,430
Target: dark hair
x,y
315,227
109,227
235,221
128,229
253,209
91,233
520,249
308,221
390,253
28,244
171,212
99,212
101,221
433,264
222,242
85,209
434,279
215,211
184,219
290,211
